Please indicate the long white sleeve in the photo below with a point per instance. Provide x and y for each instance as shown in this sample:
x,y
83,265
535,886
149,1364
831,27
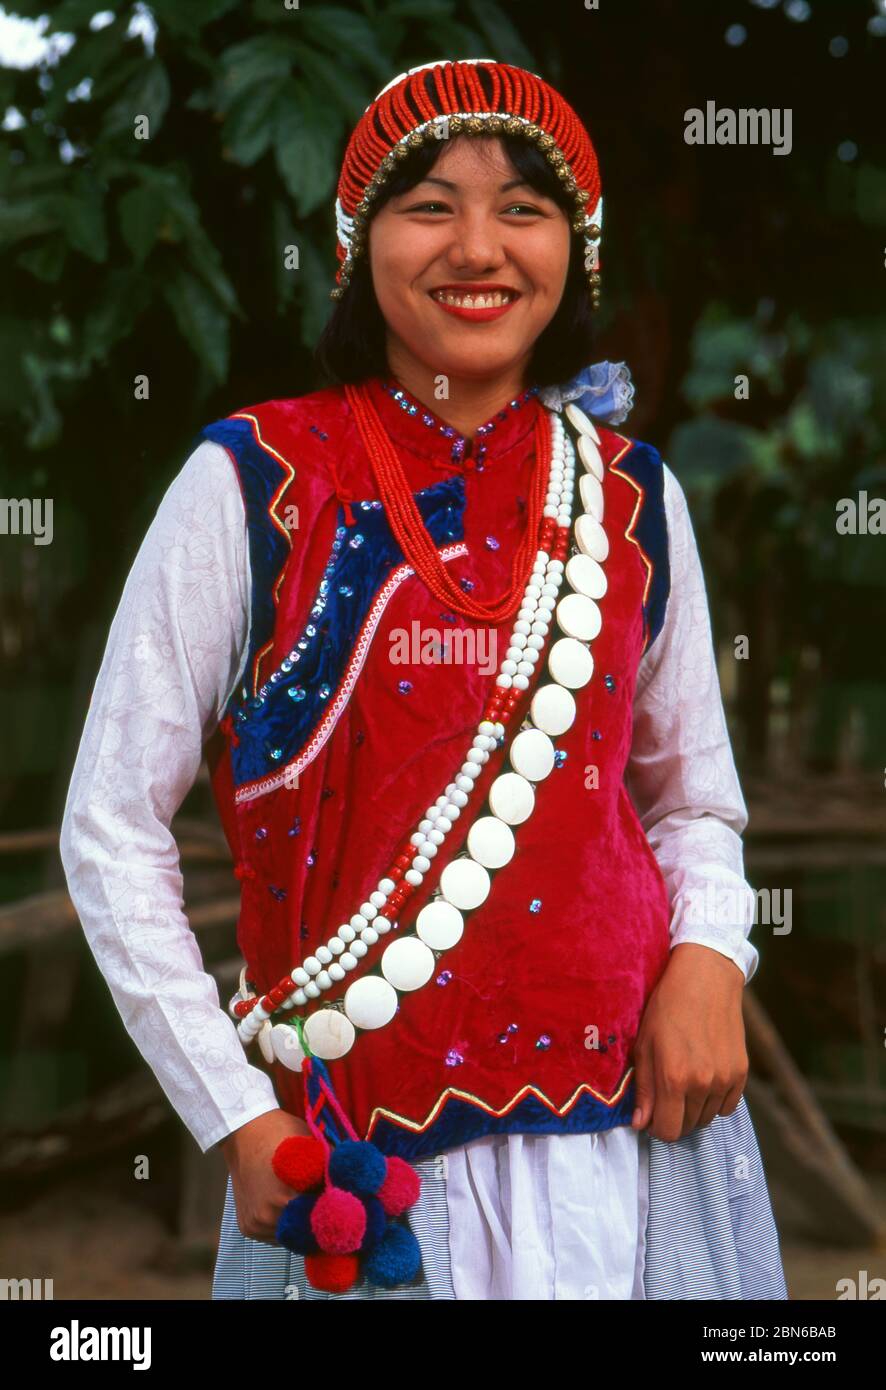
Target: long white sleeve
x,y
173,655
681,773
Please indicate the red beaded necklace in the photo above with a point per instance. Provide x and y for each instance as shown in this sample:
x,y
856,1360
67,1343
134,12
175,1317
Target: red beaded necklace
x,y
412,535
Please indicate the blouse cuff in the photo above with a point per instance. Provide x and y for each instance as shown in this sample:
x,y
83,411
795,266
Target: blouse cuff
x,y
235,1121
729,942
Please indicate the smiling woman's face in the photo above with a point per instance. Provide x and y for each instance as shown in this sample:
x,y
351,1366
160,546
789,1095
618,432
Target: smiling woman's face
x,y
471,230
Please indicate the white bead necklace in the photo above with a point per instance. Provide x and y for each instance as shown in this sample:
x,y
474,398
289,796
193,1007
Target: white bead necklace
x,y
408,962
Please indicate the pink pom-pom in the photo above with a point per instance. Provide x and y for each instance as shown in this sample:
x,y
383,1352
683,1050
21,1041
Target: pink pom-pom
x,y
400,1188
338,1220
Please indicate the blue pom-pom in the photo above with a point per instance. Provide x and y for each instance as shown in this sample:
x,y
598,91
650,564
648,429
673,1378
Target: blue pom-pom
x,y
395,1260
357,1166
376,1223
294,1226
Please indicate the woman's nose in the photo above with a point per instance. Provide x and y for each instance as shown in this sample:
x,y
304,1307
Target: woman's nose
x,y
476,245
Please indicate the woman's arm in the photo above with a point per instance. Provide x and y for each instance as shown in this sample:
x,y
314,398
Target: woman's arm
x,y
681,774
690,1057
172,658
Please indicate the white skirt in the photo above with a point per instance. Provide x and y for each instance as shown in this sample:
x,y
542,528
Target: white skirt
x,y
614,1215
519,1216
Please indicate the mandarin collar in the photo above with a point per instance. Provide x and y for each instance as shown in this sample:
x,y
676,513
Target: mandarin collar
x,y
413,426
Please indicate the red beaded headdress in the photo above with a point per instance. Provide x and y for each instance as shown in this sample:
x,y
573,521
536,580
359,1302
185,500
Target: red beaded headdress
x,y
472,96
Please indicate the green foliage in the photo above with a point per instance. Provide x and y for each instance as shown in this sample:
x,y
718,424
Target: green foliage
x,y
765,475
129,240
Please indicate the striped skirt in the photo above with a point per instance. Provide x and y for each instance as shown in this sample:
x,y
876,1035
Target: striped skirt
x,y
705,1229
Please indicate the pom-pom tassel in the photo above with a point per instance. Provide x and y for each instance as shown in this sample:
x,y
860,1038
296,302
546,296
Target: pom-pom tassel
x,y
344,1221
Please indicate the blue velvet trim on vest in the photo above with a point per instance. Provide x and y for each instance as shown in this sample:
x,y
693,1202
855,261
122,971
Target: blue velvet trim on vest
x,y
260,477
461,1121
643,463
274,724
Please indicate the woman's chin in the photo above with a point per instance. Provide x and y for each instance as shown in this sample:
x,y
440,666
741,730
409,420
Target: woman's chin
x,y
475,360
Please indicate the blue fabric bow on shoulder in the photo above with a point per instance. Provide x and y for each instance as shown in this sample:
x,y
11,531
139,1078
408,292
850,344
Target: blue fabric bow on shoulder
x,y
603,391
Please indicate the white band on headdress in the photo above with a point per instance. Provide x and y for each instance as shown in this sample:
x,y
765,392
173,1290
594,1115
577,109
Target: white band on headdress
x,y
344,225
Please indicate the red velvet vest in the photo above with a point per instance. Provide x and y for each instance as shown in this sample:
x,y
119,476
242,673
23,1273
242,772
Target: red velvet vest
x,y
334,749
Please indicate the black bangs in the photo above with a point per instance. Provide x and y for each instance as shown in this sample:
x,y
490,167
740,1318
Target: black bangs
x,y
352,347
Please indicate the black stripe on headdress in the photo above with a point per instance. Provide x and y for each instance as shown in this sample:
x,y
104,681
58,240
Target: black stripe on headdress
x,y
409,99
484,77
431,92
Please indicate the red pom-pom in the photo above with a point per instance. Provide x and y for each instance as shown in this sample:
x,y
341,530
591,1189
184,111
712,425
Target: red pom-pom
x,y
338,1220
332,1273
300,1162
400,1188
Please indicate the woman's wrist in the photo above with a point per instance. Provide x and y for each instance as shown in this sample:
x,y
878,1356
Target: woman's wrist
x,y
697,956
272,1126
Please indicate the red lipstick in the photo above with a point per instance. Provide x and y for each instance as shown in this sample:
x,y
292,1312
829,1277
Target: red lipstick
x,y
475,315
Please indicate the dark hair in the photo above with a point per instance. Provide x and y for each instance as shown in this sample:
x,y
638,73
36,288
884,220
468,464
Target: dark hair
x,y
352,346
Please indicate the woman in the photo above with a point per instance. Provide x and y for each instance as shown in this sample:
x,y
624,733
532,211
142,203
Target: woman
x,y
447,642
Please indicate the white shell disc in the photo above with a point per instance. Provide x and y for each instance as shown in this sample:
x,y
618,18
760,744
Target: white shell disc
x,y
590,457
465,884
491,842
440,925
553,709
329,1033
570,663
408,963
586,576
576,415
287,1048
264,1041
590,537
511,798
591,492
532,755
370,1002
579,617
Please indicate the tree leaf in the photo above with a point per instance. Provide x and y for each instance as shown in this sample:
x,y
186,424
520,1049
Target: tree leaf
x,y
705,452
250,125
306,147
327,79
201,320
125,296
346,33
148,94
315,282
24,217
47,260
84,218
190,18
264,58
41,408
140,214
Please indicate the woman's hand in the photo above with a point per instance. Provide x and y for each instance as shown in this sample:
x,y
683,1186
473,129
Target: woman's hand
x,y
690,1058
259,1195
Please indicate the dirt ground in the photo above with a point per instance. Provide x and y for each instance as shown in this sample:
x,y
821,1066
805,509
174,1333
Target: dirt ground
x,y
96,1246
